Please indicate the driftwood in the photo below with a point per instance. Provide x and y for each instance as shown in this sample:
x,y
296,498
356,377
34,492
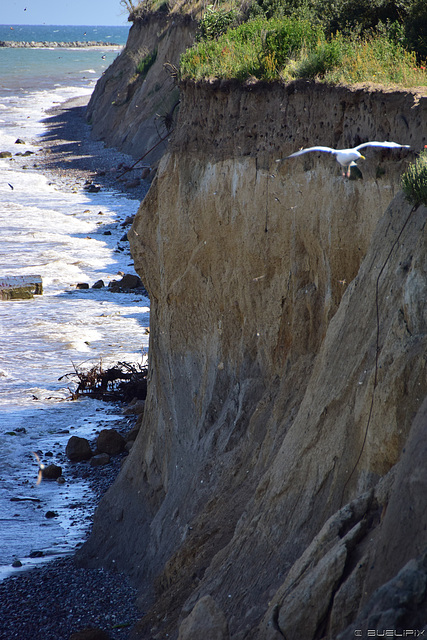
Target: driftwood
x,y
121,383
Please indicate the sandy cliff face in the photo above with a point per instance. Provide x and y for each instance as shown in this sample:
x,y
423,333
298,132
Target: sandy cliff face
x,y
255,496
127,108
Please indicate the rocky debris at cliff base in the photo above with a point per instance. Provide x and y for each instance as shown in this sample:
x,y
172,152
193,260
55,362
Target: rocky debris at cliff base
x,y
78,449
111,442
99,460
70,604
128,283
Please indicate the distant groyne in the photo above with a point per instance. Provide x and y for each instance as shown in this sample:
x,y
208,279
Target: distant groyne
x,y
21,44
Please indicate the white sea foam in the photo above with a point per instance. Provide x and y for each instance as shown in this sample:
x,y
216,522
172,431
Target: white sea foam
x,y
60,236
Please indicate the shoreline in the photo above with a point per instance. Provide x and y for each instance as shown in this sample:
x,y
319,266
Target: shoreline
x,y
71,158
45,44
55,599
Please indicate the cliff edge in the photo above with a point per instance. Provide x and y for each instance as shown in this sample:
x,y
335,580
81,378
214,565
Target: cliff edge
x,y
277,486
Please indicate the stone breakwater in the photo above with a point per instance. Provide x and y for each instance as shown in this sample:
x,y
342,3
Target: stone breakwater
x,y
21,44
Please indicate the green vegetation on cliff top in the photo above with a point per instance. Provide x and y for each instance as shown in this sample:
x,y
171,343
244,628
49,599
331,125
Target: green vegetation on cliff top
x,y
345,41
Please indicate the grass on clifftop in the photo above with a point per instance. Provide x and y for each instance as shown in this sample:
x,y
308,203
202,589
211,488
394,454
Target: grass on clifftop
x,y
290,48
345,41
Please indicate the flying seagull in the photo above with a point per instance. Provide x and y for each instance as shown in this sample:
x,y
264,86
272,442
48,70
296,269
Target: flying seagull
x,y
347,157
41,467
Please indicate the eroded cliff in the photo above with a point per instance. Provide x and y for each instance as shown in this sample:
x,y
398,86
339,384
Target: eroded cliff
x,y
134,103
287,363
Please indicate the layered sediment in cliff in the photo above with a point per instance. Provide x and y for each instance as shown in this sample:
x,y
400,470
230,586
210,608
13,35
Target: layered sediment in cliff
x,y
133,107
287,364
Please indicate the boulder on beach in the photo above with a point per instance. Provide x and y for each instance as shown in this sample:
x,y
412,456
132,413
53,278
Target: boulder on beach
x,y
92,188
99,460
51,472
99,284
110,441
78,449
5,154
128,281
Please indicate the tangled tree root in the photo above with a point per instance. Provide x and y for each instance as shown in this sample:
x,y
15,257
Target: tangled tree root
x,y
121,383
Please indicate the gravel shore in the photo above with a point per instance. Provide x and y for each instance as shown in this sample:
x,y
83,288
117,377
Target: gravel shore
x,y
72,160
57,599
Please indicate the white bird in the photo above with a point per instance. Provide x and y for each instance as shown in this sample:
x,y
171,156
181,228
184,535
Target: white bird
x,y
347,157
41,467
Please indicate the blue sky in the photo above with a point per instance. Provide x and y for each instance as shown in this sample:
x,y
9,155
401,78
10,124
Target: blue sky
x,y
87,12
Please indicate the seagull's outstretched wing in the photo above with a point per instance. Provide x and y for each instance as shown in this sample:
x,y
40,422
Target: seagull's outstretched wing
x,y
388,145
299,153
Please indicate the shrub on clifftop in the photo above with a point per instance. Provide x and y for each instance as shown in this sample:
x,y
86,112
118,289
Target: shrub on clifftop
x,y
414,181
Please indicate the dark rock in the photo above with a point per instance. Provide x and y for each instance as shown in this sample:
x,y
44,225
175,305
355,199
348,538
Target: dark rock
x,y
28,153
124,238
92,188
99,284
48,454
90,634
107,233
128,220
99,460
16,564
130,281
51,514
78,449
145,173
52,472
110,441
5,154
19,141
36,554
82,285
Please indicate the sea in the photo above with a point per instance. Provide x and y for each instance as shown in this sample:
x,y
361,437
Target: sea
x,y
59,234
